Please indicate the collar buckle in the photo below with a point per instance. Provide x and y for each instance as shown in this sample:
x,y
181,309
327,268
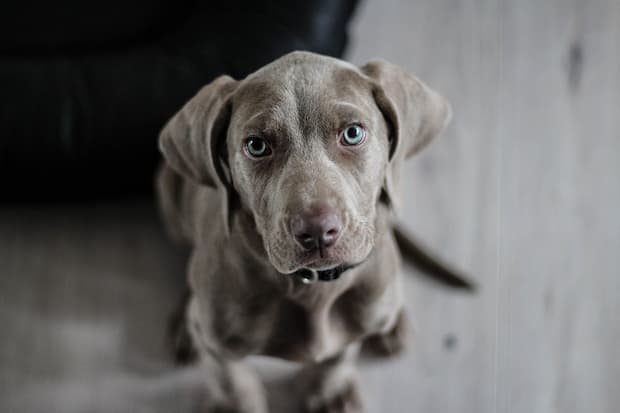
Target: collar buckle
x,y
307,276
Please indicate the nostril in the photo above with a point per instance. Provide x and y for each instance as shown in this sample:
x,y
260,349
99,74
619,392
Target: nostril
x,y
329,238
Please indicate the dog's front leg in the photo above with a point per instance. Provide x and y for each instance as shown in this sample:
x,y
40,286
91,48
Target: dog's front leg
x,y
331,386
232,387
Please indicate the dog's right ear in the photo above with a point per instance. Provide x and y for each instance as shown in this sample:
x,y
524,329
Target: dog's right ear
x,y
192,139
414,112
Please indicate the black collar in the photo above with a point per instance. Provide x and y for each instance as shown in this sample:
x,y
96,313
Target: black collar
x,y
308,276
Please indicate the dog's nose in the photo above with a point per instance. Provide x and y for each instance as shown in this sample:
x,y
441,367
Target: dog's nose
x,y
317,227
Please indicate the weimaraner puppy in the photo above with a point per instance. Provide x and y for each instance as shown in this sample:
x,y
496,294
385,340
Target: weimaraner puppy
x,y
285,184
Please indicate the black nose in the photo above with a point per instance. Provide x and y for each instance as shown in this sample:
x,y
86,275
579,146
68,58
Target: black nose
x,y
316,227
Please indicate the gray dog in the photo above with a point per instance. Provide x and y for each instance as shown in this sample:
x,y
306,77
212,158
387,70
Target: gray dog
x,y
285,185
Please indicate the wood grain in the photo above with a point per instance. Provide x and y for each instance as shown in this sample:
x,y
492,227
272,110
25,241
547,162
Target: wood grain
x,y
523,191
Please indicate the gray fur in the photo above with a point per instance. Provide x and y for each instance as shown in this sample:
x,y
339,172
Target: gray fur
x,y
234,211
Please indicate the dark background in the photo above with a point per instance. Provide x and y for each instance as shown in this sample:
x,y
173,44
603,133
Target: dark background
x,y
86,86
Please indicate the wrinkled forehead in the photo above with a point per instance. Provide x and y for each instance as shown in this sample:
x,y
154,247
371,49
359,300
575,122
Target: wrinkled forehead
x,y
305,95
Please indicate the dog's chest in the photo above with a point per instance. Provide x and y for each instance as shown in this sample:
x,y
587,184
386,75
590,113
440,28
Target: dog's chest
x,y
304,323
313,330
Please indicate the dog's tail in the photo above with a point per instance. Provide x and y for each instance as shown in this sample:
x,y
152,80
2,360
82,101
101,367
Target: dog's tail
x,y
431,266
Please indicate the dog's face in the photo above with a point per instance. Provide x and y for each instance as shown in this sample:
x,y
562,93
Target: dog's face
x,y
308,144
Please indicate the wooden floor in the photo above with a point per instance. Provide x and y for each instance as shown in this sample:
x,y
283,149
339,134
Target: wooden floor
x,y
523,192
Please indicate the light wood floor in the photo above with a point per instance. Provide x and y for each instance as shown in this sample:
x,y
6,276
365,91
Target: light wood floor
x,y
522,192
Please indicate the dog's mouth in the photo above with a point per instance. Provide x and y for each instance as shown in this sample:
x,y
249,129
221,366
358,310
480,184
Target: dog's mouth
x,y
313,265
307,275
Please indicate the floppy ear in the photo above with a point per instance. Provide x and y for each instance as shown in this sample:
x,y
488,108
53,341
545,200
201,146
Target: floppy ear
x,y
192,142
415,115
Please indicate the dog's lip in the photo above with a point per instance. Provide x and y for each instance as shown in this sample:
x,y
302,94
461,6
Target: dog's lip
x,y
329,263
322,264
313,261
311,267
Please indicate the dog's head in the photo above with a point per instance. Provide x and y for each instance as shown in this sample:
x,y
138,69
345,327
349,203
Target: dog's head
x,y
308,145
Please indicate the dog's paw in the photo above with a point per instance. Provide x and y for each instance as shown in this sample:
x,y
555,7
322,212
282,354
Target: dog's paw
x,y
391,343
345,400
183,348
221,409
179,338
227,408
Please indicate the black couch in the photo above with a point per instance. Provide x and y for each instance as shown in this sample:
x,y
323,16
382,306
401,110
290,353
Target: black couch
x,y
86,86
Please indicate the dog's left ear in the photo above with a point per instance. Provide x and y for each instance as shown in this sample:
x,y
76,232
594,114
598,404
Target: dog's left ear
x,y
415,115
193,142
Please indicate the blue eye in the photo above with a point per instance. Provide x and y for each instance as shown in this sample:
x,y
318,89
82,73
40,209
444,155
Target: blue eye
x,y
257,147
352,135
